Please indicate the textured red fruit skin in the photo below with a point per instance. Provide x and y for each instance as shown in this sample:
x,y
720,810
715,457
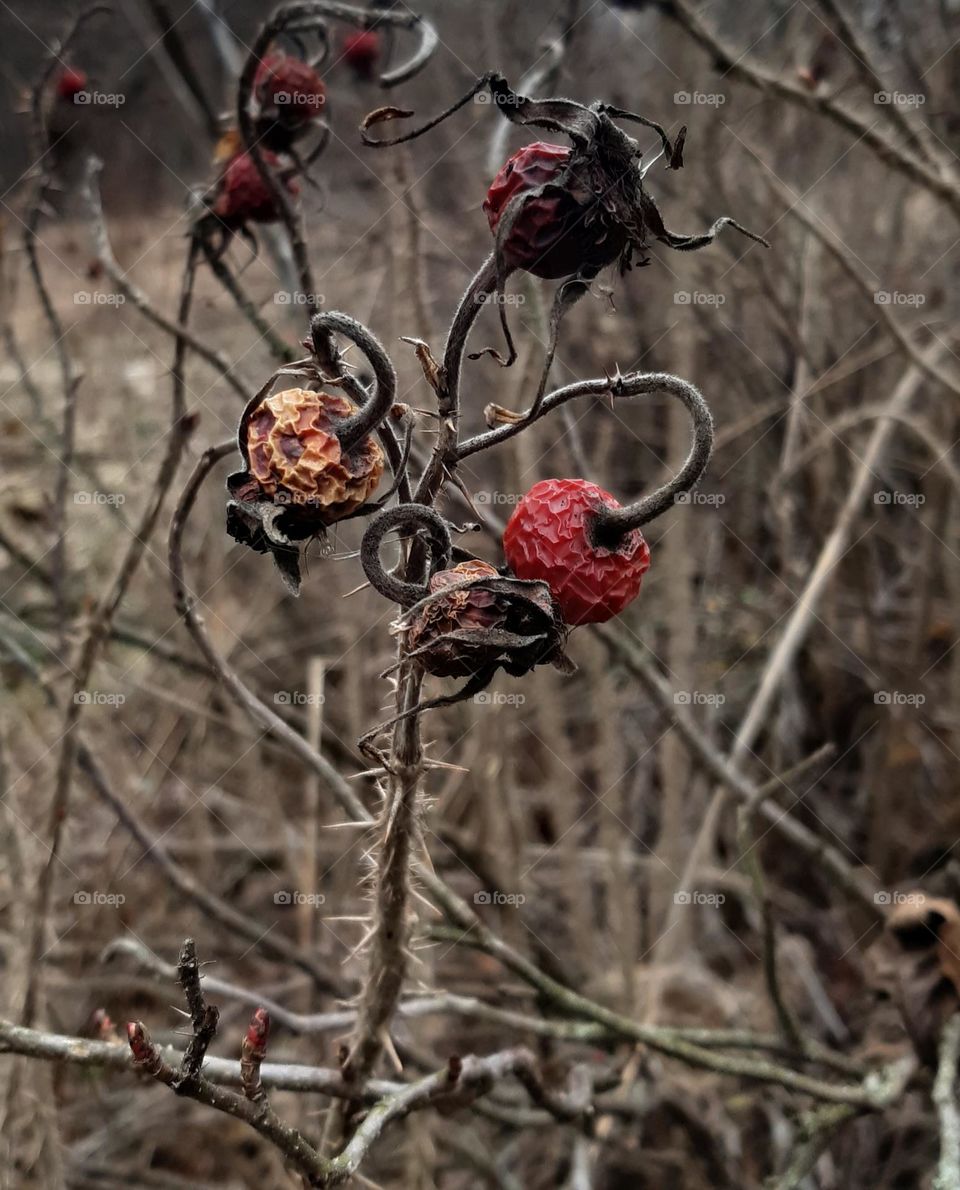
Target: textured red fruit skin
x,y
361,51
243,196
549,538
551,235
291,86
70,82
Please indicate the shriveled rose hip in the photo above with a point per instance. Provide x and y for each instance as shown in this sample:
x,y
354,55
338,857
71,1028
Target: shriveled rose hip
x,y
550,538
243,196
361,52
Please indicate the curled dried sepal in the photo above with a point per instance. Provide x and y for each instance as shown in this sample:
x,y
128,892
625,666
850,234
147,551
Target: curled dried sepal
x,y
468,620
559,211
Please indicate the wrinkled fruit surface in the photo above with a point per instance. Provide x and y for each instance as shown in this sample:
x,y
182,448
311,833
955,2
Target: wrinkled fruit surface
x,y
242,195
361,51
548,538
291,86
294,453
493,622
552,235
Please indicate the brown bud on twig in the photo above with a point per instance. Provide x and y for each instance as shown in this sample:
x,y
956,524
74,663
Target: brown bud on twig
x,y
146,1056
253,1050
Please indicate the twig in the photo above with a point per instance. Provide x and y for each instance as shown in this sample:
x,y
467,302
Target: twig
x,y
945,1100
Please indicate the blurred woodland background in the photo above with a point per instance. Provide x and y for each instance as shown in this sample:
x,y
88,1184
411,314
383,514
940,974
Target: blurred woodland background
x,y
802,604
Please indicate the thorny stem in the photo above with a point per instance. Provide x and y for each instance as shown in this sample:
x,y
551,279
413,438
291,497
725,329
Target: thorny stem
x,y
373,408
405,515
945,1100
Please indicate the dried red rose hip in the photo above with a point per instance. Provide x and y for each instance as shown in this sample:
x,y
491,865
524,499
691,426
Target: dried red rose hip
x,y
550,538
242,195
290,95
361,52
550,234
70,82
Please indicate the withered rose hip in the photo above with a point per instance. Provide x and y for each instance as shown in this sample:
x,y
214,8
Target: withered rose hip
x,y
294,454
361,52
242,195
551,234
550,537
290,95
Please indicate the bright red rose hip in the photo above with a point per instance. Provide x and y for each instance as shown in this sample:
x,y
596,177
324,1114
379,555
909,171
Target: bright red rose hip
x,y
550,538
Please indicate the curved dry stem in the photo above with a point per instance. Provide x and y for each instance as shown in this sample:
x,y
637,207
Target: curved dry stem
x,y
374,408
612,524
186,606
417,516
